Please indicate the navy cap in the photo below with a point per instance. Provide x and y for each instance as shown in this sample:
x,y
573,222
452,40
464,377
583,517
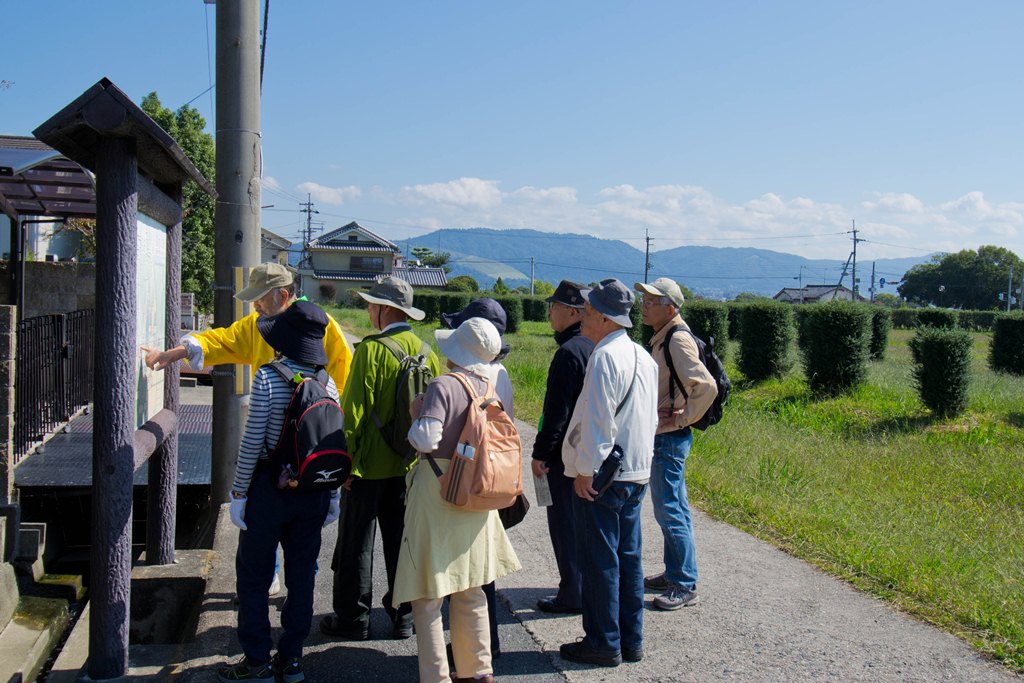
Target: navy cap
x,y
489,310
613,300
570,293
297,332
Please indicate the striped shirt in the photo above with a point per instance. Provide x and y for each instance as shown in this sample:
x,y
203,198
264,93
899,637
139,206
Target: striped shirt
x,y
268,404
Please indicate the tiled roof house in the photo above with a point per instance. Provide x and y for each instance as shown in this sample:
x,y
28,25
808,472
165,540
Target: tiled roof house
x,y
352,257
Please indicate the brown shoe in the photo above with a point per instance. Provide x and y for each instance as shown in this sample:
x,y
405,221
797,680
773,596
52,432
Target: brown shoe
x,y
489,678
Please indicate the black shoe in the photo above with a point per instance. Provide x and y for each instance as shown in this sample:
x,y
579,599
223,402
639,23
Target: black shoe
x,y
658,582
582,654
629,655
402,631
552,606
246,670
290,670
329,626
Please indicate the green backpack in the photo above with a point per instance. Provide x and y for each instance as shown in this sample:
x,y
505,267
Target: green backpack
x,y
414,374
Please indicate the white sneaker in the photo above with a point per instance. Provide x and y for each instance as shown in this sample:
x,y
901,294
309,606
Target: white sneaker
x,y
275,585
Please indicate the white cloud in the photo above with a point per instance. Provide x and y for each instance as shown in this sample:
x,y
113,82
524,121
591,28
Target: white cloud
x,y
270,183
330,195
464,192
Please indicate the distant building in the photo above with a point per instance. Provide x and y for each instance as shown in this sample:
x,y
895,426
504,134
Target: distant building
x,y
352,257
813,294
273,247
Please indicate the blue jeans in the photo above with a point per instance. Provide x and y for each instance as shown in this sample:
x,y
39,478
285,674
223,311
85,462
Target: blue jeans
x,y
609,549
294,520
671,508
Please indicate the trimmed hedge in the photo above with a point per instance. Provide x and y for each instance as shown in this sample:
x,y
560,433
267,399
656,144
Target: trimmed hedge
x,y
735,312
535,309
1006,354
766,332
513,306
836,341
639,333
881,323
978,321
708,319
904,318
429,303
800,314
942,368
936,317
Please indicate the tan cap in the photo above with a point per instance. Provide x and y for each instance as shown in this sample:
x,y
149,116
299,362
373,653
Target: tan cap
x,y
263,278
662,287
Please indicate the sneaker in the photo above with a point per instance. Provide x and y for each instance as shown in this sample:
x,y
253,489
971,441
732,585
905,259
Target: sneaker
x,y
584,654
658,582
275,585
402,631
553,606
675,597
290,670
245,670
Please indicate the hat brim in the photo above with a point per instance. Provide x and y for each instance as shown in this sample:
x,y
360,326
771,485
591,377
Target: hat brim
x,y
253,293
648,289
448,320
619,319
459,355
289,342
411,311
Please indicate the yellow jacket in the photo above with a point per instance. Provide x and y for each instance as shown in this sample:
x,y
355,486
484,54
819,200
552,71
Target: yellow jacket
x,y
241,343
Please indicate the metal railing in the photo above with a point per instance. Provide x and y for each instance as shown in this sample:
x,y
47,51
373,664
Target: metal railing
x,y
53,375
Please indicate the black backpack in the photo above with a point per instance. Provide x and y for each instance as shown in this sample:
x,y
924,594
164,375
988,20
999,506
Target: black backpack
x,y
715,367
311,454
414,374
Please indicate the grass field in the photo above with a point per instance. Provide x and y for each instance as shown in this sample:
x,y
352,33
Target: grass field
x,y
925,513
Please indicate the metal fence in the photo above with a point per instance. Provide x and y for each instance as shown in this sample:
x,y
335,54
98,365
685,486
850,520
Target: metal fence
x,y
53,375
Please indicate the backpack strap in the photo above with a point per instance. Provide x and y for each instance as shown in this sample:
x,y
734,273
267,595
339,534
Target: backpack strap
x,y
400,355
489,396
674,381
285,372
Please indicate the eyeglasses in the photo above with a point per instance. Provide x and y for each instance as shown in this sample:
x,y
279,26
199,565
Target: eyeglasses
x,y
655,301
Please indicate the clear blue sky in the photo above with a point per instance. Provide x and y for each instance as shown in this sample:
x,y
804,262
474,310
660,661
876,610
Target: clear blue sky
x,y
736,121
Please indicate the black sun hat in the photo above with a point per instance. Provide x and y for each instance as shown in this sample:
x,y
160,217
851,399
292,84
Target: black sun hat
x,y
297,332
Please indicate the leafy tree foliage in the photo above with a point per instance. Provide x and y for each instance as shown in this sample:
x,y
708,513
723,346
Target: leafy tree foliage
x,y
186,127
969,279
543,288
500,287
462,283
433,259
889,300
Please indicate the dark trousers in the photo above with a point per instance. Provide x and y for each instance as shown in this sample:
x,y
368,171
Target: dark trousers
x,y
368,504
609,549
294,520
562,529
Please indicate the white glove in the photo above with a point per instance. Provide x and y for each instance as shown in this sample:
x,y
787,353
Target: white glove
x,y
334,511
238,512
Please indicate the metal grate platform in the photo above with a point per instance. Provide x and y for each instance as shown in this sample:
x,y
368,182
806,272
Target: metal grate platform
x,y
66,462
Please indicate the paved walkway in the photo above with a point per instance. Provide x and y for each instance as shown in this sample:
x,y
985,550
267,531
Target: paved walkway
x,y
763,616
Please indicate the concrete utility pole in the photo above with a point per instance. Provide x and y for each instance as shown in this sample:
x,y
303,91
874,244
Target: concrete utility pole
x,y
853,280
1009,290
532,272
237,235
647,255
872,282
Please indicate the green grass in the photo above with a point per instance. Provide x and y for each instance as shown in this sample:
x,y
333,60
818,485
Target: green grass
x,y
923,512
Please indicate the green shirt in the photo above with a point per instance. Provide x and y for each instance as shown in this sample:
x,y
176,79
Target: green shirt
x,y
371,386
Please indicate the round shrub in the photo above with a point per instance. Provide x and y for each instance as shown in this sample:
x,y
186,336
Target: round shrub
x,y
904,318
881,323
707,320
513,306
453,302
835,348
766,332
353,300
942,368
936,317
1006,354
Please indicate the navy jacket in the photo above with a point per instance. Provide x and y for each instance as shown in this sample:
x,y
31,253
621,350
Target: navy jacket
x,y
565,382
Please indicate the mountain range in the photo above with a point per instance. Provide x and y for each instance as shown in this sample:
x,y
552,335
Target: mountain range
x,y
715,272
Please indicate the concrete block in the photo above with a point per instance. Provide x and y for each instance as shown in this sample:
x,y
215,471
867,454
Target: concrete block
x,y
59,586
31,540
72,658
8,593
165,599
29,639
10,518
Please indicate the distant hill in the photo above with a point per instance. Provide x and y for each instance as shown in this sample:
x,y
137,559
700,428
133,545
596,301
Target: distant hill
x,y
718,272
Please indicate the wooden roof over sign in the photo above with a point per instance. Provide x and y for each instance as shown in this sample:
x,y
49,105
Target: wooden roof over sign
x,y
36,179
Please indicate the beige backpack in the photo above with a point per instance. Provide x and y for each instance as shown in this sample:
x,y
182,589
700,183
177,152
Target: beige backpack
x,y
486,469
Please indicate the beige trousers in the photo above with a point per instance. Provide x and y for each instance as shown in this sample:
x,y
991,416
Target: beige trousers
x,y
471,636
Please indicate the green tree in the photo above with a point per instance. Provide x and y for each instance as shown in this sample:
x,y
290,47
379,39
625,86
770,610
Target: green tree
x,y
187,126
543,288
462,283
435,260
500,287
967,279
888,300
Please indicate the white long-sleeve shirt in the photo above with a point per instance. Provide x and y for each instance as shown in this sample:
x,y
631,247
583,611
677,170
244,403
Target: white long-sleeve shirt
x,y
594,427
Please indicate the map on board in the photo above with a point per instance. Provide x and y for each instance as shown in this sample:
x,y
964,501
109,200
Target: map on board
x,y
151,307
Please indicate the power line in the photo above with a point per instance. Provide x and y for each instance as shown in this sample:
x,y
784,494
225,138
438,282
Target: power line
x,y
209,62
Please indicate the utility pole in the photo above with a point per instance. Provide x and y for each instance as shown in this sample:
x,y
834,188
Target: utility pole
x,y
800,279
872,282
853,281
1009,289
237,234
1020,296
531,274
307,234
647,255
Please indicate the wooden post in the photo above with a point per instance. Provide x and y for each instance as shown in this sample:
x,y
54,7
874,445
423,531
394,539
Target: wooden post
x,y
113,465
163,466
